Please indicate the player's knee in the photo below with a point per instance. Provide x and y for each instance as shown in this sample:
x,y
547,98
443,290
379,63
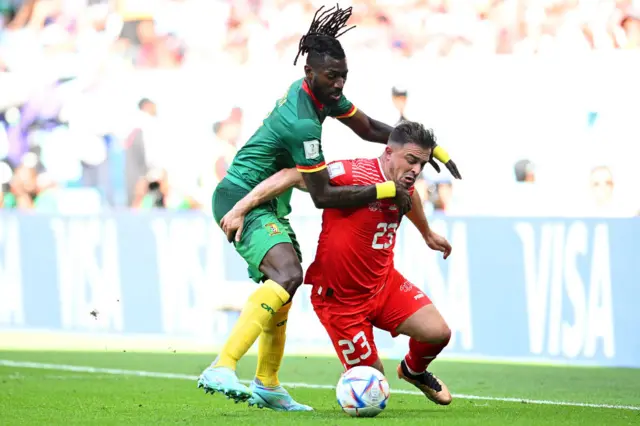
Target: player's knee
x,y
281,264
443,334
289,276
434,333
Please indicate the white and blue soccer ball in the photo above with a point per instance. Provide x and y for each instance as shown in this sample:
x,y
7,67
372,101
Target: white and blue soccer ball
x,y
362,392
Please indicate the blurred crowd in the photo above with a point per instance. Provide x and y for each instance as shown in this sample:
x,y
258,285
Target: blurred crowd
x,y
79,131
172,33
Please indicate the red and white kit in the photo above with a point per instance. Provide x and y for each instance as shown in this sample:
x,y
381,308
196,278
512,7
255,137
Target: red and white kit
x,y
355,283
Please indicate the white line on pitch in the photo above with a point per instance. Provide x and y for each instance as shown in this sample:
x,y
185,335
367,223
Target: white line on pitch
x,y
138,373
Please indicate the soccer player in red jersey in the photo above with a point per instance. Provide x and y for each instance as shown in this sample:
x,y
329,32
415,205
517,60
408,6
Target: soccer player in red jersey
x,y
355,283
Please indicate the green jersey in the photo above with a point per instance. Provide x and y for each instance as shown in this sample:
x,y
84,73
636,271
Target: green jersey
x,y
290,136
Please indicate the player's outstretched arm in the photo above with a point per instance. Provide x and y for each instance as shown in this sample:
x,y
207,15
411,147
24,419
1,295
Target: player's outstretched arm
x,y
367,128
306,150
325,195
419,219
375,131
266,190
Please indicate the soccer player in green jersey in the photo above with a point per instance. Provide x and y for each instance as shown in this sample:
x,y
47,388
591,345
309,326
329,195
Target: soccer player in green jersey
x,y
290,137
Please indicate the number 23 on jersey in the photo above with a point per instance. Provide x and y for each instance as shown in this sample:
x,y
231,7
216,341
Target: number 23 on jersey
x,y
383,239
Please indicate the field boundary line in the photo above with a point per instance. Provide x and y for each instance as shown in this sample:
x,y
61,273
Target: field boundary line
x,y
160,375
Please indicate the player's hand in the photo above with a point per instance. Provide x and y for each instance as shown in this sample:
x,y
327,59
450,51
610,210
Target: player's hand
x,y
450,165
434,164
453,169
402,199
439,243
232,223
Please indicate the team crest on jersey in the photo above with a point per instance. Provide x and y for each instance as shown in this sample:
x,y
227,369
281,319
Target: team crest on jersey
x,y
376,206
406,286
272,229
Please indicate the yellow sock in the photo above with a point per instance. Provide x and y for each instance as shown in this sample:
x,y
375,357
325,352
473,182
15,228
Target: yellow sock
x,y
261,306
271,347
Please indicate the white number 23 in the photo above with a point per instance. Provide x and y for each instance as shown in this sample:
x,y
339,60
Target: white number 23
x,y
386,229
350,348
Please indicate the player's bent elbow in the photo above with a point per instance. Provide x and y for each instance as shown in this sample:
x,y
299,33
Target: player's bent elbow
x,y
320,204
321,201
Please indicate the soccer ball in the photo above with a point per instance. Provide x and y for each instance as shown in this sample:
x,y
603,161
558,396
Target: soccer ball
x,y
362,392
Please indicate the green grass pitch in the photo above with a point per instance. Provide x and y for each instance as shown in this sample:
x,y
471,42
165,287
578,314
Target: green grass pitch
x,y
115,392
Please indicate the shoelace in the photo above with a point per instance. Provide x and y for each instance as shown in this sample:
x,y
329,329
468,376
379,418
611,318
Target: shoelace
x,y
429,380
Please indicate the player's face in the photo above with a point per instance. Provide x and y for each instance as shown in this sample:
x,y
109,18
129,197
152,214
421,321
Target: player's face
x,y
328,80
406,162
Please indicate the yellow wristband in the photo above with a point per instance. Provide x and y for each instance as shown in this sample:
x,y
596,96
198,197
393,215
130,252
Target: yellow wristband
x,y
442,155
385,190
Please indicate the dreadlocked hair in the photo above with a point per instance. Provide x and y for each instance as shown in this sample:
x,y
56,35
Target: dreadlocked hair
x,y
321,38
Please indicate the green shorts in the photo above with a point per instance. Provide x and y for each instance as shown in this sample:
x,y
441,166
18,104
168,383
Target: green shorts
x,y
262,230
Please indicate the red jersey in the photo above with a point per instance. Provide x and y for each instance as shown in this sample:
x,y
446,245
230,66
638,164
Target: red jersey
x,y
355,248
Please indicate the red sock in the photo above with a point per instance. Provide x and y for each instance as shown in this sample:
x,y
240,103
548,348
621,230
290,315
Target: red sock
x,y
421,354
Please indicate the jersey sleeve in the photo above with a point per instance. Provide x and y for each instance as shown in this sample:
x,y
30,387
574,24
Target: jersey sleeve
x,y
340,173
305,146
343,109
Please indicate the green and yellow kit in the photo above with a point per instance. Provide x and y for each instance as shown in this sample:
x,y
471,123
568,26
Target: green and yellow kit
x,y
290,136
